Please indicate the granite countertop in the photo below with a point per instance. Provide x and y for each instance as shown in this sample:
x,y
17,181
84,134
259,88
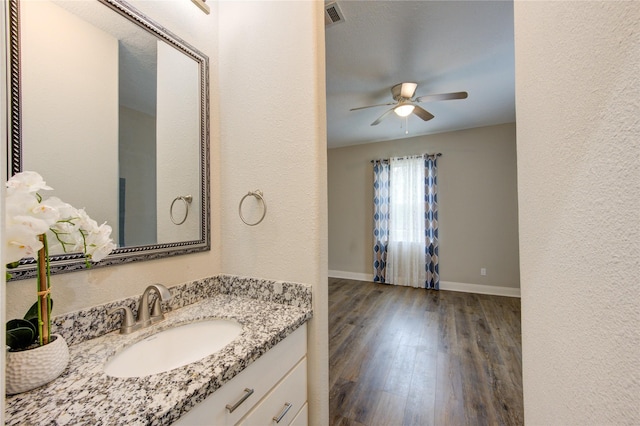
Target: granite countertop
x,y
84,394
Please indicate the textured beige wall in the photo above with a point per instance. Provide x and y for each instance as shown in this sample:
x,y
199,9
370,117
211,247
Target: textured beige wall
x,y
578,132
274,139
477,193
78,290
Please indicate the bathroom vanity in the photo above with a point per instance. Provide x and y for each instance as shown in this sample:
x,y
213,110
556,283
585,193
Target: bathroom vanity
x,y
258,378
273,390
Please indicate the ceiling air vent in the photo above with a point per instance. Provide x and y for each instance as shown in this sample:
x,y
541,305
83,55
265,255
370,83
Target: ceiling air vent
x,y
332,14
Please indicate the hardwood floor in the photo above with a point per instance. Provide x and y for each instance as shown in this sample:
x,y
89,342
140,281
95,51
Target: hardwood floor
x,y
405,356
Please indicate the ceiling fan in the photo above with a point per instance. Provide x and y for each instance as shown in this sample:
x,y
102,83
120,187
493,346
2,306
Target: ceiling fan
x,y
405,104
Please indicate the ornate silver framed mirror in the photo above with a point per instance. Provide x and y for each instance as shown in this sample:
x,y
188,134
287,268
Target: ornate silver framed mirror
x,y
112,109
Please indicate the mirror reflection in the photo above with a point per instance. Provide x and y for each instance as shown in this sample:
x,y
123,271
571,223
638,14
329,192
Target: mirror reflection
x,y
113,115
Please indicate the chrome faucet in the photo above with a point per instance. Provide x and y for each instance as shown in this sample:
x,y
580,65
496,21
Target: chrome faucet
x,y
145,319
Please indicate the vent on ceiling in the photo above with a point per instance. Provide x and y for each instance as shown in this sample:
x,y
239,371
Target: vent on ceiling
x,y
332,14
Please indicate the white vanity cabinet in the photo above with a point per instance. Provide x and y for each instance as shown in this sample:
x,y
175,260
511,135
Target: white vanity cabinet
x,y
283,402
272,388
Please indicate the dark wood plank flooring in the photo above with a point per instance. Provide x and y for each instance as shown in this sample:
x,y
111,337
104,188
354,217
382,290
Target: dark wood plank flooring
x,y
404,356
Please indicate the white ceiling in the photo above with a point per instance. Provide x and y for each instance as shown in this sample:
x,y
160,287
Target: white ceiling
x,y
444,46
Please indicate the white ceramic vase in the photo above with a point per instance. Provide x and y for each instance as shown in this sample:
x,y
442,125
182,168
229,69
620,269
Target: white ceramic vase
x,y
35,367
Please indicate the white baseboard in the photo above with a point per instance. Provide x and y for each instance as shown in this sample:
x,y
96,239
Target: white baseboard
x,y
480,289
444,285
351,275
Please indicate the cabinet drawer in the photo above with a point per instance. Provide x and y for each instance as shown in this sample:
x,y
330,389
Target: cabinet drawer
x,y
280,406
259,377
302,418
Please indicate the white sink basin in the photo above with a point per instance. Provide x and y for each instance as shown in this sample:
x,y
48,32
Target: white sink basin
x,y
173,348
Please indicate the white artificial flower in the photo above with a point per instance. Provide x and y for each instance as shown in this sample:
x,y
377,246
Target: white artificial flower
x,y
20,242
66,230
25,220
45,213
85,222
66,235
27,182
28,224
19,203
98,243
65,211
28,215
20,206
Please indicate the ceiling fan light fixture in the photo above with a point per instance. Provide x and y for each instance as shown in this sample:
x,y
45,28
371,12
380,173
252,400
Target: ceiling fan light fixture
x,y
404,110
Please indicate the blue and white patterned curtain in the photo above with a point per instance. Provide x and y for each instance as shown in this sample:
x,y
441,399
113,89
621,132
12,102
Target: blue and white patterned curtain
x,y
380,219
395,260
431,226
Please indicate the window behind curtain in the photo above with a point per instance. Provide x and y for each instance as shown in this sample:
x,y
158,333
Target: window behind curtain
x,y
406,221
406,249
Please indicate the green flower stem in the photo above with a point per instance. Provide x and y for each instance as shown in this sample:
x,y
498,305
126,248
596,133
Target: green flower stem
x,y
49,302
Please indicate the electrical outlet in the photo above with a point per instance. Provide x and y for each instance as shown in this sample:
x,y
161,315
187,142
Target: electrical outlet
x,y
483,271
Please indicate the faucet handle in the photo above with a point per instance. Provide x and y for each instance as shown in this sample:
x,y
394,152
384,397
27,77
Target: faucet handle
x,y
156,311
128,323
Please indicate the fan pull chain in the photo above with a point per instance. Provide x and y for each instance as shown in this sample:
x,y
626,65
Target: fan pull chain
x,y
406,125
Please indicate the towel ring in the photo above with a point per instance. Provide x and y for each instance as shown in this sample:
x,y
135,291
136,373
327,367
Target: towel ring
x,y
186,199
258,194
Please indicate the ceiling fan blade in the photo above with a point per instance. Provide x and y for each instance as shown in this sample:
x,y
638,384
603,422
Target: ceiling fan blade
x,y
371,106
422,113
382,117
442,97
408,90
